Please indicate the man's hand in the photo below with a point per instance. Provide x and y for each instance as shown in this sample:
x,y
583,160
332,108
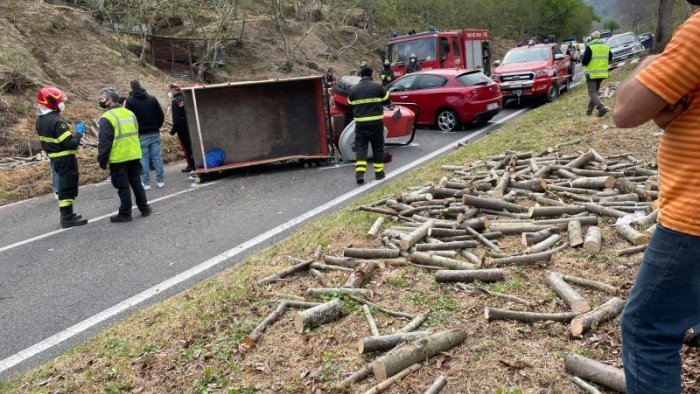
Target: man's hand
x,y
668,114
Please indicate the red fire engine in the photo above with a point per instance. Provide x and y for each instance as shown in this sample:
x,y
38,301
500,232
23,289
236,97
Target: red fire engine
x,y
466,48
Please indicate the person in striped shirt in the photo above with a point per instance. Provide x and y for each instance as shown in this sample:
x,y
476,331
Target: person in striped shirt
x,y
665,299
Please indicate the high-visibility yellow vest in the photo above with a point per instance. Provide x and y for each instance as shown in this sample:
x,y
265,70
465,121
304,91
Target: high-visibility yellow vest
x,y
598,67
126,145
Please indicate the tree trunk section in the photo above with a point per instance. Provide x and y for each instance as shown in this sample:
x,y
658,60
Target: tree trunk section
x,y
575,237
592,319
544,245
416,235
601,210
663,25
338,261
581,160
592,284
595,371
325,291
632,250
455,245
466,276
383,386
535,185
370,321
249,341
500,189
439,261
362,274
570,296
372,233
388,342
626,186
633,236
536,212
528,239
318,315
601,182
286,272
517,228
415,323
490,203
527,317
483,239
593,240
418,351
524,259
371,253
585,386
437,386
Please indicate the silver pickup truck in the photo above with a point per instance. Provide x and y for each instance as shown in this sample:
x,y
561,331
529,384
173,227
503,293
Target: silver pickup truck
x,y
624,46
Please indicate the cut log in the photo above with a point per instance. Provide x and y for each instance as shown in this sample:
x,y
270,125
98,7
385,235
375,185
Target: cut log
x,y
588,388
455,245
475,224
483,239
416,235
503,182
649,219
326,267
370,321
417,351
601,210
528,239
379,308
581,160
387,342
590,284
592,319
517,228
439,261
320,278
528,317
300,304
650,231
466,276
490,203
383,386
574,190
286,272
535,185
595,371
249,340
526,259
338,261
536,212
383,211
575,237
563,222
372,233
504,296
547,201
415,323
318,315
362,274
593,240
600,182
620,198
632,235
544,245
371,253
437,386
632,250
326,291
626,186
411,197
397,206
570,296
596,173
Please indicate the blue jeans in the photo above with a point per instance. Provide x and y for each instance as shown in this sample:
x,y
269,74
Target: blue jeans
x,y
150,153
54,177
663,305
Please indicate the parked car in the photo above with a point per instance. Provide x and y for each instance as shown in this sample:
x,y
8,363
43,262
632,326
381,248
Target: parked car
x,y
534,71
449,98
624,46
646,39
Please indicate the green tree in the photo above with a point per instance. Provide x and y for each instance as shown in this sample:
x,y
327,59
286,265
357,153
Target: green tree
x,y
610,24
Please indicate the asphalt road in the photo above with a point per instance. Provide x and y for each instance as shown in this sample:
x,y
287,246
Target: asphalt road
x,y
52,280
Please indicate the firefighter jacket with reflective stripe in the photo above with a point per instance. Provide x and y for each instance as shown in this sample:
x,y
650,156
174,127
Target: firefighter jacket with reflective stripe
x,y
55,136
387,76
119,123
366,99
597,68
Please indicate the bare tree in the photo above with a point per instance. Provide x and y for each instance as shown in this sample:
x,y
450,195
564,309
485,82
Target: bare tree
x,y
663,27
277,13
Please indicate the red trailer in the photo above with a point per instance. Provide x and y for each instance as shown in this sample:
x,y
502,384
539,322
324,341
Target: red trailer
x,y
465,48
258,122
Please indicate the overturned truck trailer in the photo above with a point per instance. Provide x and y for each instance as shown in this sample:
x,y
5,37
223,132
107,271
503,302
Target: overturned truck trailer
x,y
258,122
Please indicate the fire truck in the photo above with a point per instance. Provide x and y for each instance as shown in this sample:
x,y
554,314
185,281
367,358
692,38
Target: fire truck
x,y
466,48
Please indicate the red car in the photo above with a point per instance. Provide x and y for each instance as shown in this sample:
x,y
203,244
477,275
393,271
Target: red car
x,y
533,71
448,98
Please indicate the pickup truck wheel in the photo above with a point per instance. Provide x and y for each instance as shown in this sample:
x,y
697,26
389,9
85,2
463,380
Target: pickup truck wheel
x,y
447,120
553,92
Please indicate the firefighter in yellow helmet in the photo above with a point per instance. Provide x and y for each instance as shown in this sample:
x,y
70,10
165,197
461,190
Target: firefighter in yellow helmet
x,y
387,75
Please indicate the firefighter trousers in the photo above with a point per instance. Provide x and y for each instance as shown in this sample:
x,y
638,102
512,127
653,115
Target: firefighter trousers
x,y
67,169
366,134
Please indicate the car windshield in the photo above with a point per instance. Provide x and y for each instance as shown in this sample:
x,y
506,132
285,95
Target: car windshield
x,y
527,55
424,48
620,40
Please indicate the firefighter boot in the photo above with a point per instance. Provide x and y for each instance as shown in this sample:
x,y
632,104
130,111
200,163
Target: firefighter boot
x,y
69,219
360,177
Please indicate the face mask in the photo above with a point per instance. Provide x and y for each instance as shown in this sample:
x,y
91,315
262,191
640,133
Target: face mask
x,y
103,104
61,106
170,94
413,60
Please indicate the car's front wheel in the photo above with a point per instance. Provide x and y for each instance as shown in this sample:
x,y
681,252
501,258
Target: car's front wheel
x,y
553,92
447,120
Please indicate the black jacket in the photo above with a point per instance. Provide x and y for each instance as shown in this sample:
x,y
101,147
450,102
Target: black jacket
x,y
413,67
104,146
366,99
180,124
52,126
386,76
149,114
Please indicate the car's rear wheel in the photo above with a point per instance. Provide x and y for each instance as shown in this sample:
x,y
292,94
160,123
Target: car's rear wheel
x,y
553,92
447,120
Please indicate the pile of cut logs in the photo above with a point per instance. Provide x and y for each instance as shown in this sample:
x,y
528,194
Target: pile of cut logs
x,y
453,229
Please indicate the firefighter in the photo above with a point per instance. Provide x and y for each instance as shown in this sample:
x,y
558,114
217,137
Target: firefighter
x,y
120,147
366,99
60,145
387,75
413,64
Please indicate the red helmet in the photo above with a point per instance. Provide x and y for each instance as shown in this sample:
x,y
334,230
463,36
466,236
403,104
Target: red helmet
x,y
50,97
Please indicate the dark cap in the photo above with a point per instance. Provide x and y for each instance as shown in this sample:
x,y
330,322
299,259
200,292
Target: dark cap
x,y
366,72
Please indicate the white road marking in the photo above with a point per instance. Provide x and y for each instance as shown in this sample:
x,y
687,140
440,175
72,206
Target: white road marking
x,y
86,324
93,220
